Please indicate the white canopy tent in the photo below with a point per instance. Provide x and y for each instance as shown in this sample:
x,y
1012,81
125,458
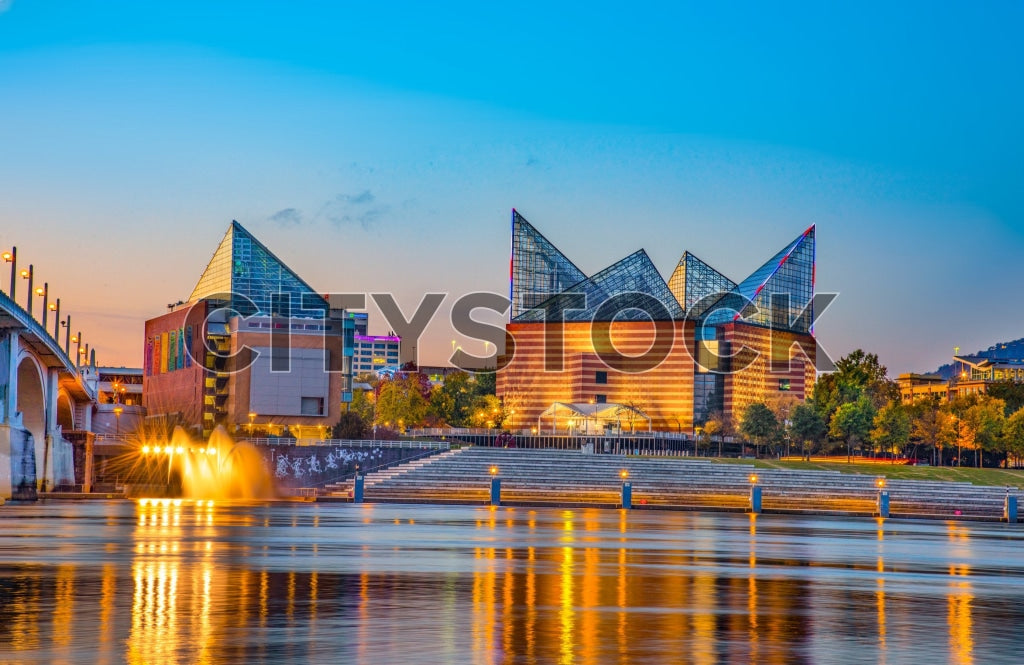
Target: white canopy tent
x,y
588,418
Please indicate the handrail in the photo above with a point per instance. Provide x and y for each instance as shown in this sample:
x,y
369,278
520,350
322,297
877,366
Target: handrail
x,y
350,443
385,465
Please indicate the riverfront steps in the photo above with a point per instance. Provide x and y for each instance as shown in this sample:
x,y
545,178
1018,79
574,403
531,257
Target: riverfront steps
x,y
559,477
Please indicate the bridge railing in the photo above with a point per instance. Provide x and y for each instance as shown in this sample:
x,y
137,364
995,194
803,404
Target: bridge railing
x,y
36,328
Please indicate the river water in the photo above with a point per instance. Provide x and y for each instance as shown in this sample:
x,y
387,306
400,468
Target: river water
x,y
114,582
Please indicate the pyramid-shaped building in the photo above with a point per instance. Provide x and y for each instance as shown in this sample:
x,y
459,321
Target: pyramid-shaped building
x,y
695,346
254,348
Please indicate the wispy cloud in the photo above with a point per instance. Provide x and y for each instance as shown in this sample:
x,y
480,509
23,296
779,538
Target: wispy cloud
x,y
361,208
287,217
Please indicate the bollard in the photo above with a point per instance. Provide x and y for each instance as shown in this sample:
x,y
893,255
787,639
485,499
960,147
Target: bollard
x,y
1010,509
357,489
755,500
883,503
495,491
627,495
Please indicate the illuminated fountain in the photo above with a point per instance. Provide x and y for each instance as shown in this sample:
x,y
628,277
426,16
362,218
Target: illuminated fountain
x,y
218,469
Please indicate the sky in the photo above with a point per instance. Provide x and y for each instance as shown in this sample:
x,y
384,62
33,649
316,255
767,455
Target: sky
x,y
381,147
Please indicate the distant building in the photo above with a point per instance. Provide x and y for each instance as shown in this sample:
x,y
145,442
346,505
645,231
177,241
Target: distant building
x,y
119,407
255,348
720,345
973,375
373,353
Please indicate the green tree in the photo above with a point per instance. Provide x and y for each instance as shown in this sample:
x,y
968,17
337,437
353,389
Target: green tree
x,y
759,424
486,411
450,402
1011,392
485,383
401,403
857,374
892,427
852,423
807,426
350,426
931,426
982,426
1013,435
713,427
362,404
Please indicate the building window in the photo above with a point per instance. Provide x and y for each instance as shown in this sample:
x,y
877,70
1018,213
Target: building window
x,y
312,406
601,399
601,377
784,384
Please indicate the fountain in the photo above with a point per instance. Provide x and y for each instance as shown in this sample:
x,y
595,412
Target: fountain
x,y
219,469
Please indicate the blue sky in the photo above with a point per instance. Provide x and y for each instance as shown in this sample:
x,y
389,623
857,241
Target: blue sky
x,y
382,148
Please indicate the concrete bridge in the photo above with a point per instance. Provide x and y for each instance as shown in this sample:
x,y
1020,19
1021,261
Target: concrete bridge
x,y
46,402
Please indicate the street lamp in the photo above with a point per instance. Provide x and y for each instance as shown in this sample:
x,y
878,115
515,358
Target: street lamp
x,y
27,274
44,293
118,410
12,258
252,416
55,308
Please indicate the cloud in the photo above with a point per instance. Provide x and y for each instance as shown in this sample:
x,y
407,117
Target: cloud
x,y
362,209
285,217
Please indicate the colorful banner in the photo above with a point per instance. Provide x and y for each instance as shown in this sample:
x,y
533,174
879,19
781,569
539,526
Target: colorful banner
x,y
164,349
181,350
172,351
156,354
188,346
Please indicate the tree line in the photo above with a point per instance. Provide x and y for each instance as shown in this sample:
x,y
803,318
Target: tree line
x,y
858,409
409,400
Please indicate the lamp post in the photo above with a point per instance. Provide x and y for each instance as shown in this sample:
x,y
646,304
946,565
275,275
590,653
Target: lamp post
x,y
77,339
118,410
55,308
27,274
44,293
252,416
12,258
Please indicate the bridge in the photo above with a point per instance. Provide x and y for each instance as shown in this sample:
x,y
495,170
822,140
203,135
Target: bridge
x,y
46,402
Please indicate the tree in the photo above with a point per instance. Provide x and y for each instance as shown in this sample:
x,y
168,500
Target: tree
x,y
931,425
401,403
852,423
486,411
982,425
1013,435
857,374
1011,392
807,426
759,424
892,427
450,402
362,404
713,426
350,426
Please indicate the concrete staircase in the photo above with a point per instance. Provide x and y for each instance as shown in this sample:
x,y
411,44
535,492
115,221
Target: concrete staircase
x,y
344,488
562,477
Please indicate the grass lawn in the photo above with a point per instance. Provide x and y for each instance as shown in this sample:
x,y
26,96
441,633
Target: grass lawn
x,y
997,477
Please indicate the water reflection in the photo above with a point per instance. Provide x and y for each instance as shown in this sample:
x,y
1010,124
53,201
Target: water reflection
x,y
185,583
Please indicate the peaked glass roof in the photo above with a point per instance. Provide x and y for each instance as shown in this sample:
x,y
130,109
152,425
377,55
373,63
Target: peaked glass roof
x,y
790,272
693,281
245,268
538,269
634,279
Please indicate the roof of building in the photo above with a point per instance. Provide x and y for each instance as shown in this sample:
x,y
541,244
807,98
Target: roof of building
x,y
546,285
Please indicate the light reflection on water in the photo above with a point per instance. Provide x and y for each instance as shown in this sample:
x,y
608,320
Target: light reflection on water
x,y
270,583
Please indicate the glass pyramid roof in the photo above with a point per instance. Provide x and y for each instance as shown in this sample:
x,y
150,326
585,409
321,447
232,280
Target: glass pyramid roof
x,y
791,272
633,277
245,268
538,270
693,281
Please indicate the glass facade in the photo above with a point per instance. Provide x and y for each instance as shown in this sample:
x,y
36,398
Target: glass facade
x,y
789,274
538,269
256,278
633,282
695,283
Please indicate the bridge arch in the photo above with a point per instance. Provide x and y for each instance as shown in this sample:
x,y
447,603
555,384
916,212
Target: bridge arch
x,y
65,411
31,398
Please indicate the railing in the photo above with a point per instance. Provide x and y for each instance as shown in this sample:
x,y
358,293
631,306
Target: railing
x,y
350,443
494,432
